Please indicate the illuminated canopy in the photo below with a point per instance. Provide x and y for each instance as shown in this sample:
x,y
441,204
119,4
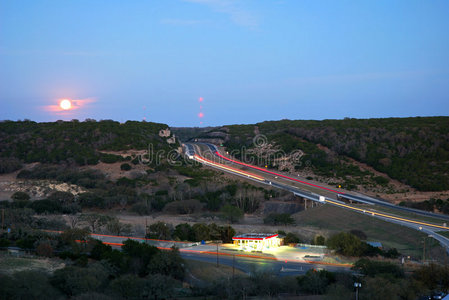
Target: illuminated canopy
x,y
255,236
256,241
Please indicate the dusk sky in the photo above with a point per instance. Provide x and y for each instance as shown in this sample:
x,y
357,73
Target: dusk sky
x,y
250,61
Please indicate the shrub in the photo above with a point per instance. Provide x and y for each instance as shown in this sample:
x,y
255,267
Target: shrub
x,y
291,238
391,253
381,180
319,240
358,233
316,282
201,232
373,268
184,232
231,213
433,276
73,280
4,242
8,165
346,244
46,206
110,158
167,263
51,222
123,181
128,287
125,167
63,197
160,231
20,196
21,199
44,249
71,209
141,208
90,200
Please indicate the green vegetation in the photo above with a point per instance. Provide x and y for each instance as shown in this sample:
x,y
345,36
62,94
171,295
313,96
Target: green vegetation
x,y
291,238
9,164
138,270
316,282
429,205
73,142
231,213
196,233
348,244
412,150
319,240
372,268
20,196
334,219
125,167
259,284
95,270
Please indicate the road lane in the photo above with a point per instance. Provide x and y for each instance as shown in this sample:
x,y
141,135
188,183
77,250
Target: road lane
x,y
418,225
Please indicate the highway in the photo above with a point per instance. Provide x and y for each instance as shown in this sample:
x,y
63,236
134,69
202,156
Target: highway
x,y
250,265
313,191
340,194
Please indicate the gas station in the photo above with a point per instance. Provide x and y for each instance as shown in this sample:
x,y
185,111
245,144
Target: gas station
x,y
257,241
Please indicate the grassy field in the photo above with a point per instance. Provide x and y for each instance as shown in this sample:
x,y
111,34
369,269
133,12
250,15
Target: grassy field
x,y
333,219
209,272
10,264
409,215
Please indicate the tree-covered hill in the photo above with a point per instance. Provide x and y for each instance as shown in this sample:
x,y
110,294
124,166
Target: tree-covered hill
x,y
412,150
74,142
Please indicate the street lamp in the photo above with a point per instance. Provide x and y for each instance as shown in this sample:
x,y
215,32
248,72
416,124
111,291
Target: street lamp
x,y
357,285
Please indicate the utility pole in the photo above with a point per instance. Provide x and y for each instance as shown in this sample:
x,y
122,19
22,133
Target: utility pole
x,y
217,254
233,266
146,230
429,247
424,250
357,285
3,218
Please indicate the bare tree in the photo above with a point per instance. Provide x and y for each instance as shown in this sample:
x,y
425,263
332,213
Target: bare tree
x,y
116,227
73,220
95,221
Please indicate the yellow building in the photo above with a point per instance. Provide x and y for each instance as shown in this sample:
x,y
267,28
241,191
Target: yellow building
x,y
257,241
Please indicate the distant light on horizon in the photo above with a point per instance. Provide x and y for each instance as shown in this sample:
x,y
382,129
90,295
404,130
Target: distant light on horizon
x,y
251,60
67,108
65,104
201,114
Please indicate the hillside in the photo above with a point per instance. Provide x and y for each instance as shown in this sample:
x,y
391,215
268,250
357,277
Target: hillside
x,y
413,151
106,165
75,142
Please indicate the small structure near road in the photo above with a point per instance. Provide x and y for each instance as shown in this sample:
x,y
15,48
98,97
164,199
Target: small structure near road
x,y
257,241
375,244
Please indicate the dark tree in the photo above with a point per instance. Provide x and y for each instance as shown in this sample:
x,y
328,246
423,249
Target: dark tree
x,y
167,263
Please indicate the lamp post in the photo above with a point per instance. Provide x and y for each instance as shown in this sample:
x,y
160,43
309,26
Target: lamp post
x,y
357,285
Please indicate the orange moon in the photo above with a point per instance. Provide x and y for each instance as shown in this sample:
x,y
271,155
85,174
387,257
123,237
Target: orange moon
x,y
65,104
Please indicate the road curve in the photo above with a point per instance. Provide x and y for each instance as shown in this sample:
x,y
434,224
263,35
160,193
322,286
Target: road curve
x,y
340,194
418,225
